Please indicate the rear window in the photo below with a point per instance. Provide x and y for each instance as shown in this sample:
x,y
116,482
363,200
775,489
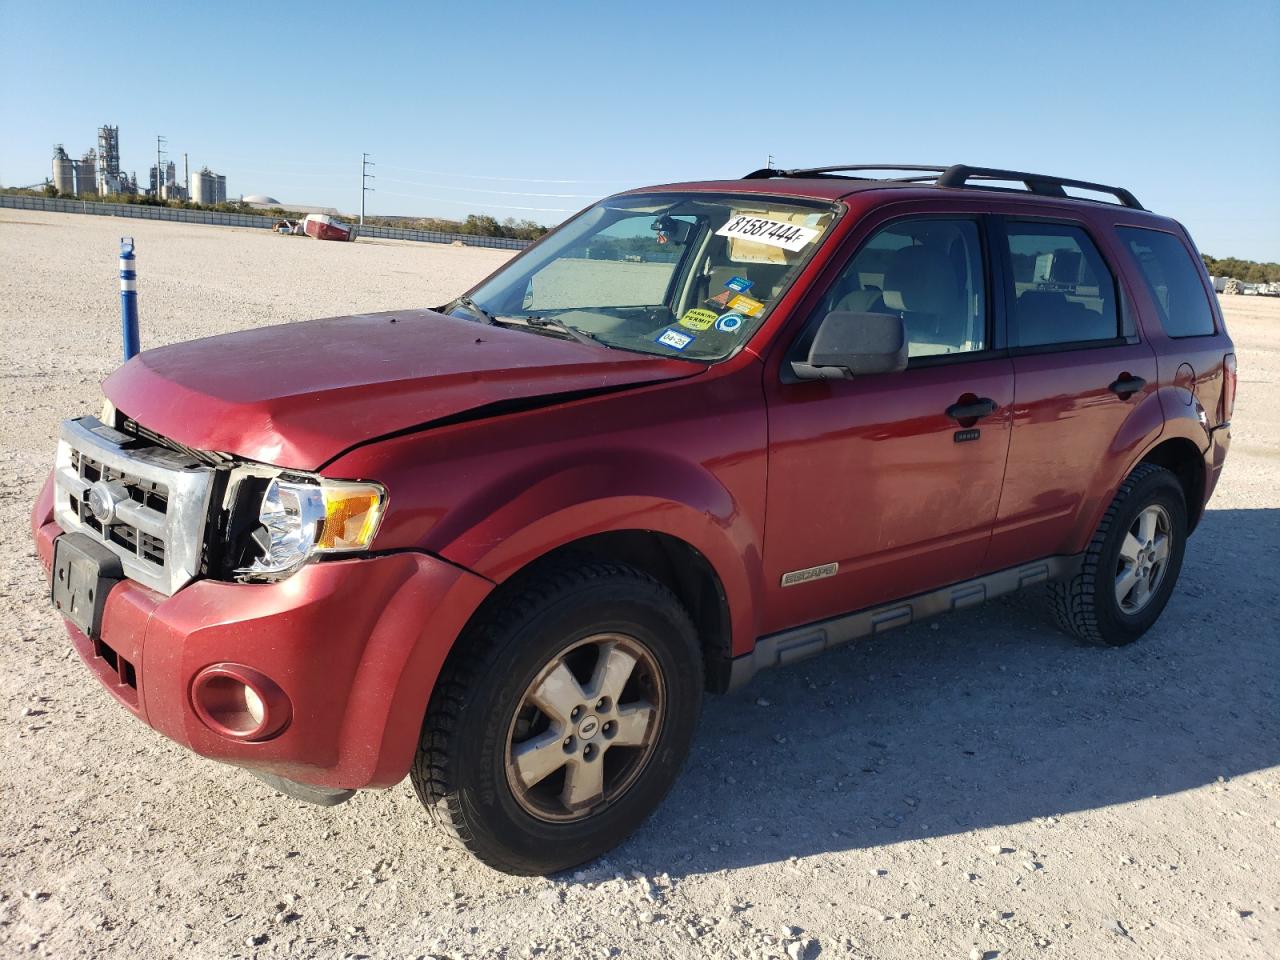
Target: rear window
x,y
1174,281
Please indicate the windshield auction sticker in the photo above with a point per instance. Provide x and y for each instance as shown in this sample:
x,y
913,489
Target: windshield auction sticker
x,y
788,236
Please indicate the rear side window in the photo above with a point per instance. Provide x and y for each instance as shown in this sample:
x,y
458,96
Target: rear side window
x,y
1063,291
1174,281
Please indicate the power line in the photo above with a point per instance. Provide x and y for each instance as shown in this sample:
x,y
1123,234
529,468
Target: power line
x,y
231,161
472,176
500,206
504,193
430,186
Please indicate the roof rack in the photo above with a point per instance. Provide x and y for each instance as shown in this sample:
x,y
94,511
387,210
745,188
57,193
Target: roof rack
x,y
956,175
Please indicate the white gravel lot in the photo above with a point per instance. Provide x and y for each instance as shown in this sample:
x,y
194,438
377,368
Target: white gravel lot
x,y
979,787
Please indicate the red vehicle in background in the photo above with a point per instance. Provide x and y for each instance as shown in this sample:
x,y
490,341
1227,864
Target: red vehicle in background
x,y
321,226
505,546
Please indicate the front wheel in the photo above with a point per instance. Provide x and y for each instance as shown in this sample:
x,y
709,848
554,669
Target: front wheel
x,y
562,718
1131,565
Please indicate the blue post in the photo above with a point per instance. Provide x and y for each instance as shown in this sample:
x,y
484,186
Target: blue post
x,y
128,297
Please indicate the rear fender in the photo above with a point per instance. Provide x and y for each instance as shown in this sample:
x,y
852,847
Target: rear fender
x,y
1128,454
1141,431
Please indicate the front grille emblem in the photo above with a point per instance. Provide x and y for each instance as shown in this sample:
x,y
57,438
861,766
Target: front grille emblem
x,y
103,499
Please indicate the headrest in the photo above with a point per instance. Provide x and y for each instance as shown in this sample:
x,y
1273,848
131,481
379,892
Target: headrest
x,y
921,280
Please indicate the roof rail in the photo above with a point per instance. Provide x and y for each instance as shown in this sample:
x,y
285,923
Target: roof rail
x,y
958,175
767,172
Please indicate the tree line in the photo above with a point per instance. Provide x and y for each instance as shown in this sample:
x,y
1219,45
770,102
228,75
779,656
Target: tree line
x,y
1250,271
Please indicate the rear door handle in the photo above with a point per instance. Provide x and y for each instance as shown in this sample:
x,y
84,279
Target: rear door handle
x,y
982,407
1126,386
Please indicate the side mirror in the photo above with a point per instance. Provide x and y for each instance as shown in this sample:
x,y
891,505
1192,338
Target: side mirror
x,y
853,345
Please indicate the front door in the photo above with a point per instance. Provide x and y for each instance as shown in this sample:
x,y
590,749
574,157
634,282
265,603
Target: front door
x,y
886,486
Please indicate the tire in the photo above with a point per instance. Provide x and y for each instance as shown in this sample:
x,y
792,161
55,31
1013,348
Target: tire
x,y
483,724
1090,605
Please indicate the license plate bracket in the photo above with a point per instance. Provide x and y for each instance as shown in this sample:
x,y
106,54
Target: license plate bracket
x,y
84,571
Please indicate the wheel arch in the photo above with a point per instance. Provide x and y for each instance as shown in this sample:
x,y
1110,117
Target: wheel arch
x,y
1181,457
669,559
664,514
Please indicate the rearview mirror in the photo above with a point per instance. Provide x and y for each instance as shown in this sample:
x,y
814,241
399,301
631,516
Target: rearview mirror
x,y
853,345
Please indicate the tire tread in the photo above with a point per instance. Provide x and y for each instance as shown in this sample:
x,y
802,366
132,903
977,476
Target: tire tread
x,y
476,652
1074,600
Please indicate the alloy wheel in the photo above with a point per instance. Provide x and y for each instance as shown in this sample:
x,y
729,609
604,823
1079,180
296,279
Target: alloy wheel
x,y
585,728
1144,558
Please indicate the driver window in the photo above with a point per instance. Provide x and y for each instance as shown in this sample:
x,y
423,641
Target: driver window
x,y
630,263
929,273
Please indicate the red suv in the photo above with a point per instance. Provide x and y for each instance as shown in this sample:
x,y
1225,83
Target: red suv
x,y
504,546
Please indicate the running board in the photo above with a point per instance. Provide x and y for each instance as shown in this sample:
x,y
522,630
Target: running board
x,y
800,643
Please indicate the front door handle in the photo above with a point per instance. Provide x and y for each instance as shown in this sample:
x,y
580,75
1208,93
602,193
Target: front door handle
x,y
1126,386
982,407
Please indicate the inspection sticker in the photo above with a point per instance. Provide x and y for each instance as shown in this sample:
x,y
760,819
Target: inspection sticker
x,y
730,322
739,284
744,304
788,236
675,339
697,319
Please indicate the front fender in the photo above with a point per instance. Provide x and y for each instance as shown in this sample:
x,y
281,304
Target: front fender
x,y
502,529
687,459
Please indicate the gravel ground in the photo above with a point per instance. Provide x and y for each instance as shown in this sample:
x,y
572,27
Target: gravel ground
x,y
977,787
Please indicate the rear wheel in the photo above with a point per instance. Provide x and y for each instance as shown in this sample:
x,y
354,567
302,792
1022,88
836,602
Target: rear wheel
x,y
562,718
1131,565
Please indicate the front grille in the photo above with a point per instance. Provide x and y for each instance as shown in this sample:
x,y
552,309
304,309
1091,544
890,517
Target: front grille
x,y
158,499
148,504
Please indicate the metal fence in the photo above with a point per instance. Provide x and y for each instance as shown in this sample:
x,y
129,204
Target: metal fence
x,y
212,218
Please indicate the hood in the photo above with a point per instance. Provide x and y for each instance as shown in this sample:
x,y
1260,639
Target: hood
x,y
296,395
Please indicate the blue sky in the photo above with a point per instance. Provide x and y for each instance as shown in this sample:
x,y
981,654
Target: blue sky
x,y
487,107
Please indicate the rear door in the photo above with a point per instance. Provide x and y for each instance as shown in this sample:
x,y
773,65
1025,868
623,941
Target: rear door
x,y
877,490
1085,387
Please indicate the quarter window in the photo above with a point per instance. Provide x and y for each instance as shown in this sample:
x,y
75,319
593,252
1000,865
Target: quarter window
x,y
1174,281
1063,291
929,273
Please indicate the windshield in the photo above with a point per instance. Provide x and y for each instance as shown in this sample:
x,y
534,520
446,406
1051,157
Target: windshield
x,y
681,274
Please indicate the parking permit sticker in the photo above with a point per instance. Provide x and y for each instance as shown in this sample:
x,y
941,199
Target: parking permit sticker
x,y
730,322
675,339
744,304
722,299
788,236
739,284
697,319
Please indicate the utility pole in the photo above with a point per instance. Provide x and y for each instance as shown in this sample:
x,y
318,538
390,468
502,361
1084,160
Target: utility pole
x,y
160,142
186,177
365,177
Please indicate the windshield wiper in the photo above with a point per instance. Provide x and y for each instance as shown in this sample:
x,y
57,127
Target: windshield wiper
x,y
476,309
550,323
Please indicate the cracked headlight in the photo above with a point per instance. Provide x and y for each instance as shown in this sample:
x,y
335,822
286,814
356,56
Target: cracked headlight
x,y
301,520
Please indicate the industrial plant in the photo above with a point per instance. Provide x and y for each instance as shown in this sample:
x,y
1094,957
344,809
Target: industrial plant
x,y
98,173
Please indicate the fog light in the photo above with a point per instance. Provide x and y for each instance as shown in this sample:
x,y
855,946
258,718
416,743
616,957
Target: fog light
x,y
239,702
